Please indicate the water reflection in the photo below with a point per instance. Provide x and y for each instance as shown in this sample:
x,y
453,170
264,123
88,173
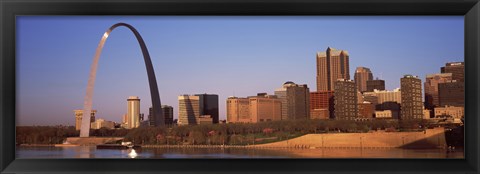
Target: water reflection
x,y
92,152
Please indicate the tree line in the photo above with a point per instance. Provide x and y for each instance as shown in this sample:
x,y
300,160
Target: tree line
x,y
218,134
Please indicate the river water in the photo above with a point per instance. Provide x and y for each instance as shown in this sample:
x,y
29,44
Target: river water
x,y
92,152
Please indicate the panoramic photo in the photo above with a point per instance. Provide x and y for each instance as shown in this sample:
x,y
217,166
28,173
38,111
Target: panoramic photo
x,y
240,87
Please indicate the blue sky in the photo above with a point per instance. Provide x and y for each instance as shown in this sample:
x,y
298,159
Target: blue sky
x,y
227,56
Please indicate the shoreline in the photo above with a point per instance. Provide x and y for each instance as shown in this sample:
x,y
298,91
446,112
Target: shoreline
x,y
223,147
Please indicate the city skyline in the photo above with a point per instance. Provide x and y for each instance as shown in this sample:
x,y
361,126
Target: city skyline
x,y
261,65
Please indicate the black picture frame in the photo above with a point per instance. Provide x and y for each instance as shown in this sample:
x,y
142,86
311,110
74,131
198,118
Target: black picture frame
x,y
11,8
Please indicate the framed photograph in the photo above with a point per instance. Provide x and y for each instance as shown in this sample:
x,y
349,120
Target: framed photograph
x,y
239,86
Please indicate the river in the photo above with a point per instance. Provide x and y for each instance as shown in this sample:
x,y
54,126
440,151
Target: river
x,y
92,152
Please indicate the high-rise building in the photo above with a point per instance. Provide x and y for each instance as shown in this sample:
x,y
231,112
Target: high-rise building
x,y
366,110
431,88
191,107
321,104
265,108
412,105
167,113
456,68
375,84
79,115
133,112
331,65
295,101
362,75
210,106
238,110
346,105
451,93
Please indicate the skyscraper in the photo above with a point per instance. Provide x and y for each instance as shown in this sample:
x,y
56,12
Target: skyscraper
x,y
431,88
133,112
331,65
346,107
451,93
295,101
210,105
167,113
412,105
78,117
362,75
375,84
457,69
191,107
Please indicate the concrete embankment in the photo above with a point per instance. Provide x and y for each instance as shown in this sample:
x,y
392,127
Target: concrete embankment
x,y
431,138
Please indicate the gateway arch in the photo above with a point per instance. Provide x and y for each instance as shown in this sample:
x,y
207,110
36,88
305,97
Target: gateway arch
x,y
157,109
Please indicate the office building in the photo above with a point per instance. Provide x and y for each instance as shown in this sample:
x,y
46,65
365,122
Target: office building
x,y
133,112
346,107
167,114
320,114
295,101
411,105
451,93
456,68
386,114
366,110
79,115
331,65
238,110
191,107
375,84
385,96
321,102
371,99
265,108
210,106
362,75
456,112
101,123
205,119
431,88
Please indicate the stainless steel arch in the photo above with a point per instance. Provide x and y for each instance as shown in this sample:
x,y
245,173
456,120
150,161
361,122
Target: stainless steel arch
x,y
157,109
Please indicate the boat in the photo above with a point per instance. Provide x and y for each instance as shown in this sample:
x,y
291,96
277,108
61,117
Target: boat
x,y
118,146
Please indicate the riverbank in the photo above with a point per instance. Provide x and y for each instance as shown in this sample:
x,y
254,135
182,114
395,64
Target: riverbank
x,y
428,139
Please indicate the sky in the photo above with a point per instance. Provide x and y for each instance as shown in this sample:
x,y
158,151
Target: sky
x,y
224,55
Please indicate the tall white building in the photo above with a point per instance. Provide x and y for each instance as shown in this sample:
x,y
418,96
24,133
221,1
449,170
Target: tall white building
x,y
133,112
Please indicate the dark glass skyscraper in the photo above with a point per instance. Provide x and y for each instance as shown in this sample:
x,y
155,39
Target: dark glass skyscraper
x,y
210,105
